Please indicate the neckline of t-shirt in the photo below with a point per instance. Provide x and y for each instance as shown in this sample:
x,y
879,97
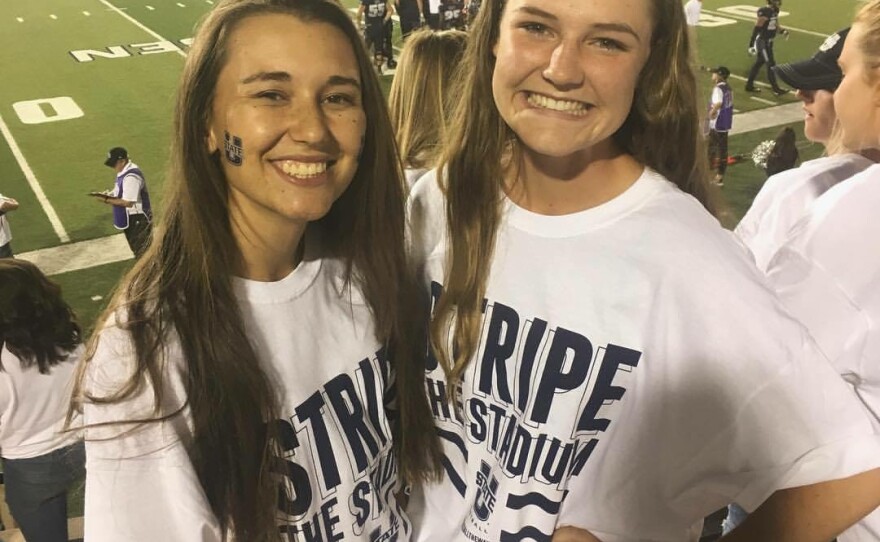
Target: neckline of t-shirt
x,y
280,291
583,221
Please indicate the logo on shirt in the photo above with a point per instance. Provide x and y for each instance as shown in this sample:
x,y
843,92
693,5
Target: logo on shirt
x,y
487,492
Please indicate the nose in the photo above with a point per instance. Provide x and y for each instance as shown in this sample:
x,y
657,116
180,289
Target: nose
x,y
307,123
564,70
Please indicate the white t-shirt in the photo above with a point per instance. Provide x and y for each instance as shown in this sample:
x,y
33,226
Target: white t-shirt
x,y
786,197
434,6
692,12
316,341
33,407
131,190
828,275
634,374
5,233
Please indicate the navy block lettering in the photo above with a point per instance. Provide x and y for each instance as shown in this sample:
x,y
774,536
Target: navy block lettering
x,y
310,412
350,412
565,344
500,346
615,356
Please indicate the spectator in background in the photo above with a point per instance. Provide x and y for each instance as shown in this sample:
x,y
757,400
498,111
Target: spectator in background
x,y
39,345
419,97
761,45
786,197
827,274
784,155
7,204
130,199
720,122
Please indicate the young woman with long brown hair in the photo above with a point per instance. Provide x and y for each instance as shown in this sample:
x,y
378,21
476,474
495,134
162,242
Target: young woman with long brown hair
x,y
606,358
254,373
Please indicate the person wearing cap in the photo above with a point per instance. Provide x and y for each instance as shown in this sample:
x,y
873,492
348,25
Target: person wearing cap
x,y
720,122
132,212
761,44
787,199
7,204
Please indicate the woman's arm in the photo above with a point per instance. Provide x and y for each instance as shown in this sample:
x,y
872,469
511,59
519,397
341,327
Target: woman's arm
x,y
817,512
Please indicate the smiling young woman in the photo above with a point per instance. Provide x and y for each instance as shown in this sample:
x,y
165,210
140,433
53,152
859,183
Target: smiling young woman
x,y
254,373
586,376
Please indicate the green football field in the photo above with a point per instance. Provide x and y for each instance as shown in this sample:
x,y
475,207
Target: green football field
x,y
81,76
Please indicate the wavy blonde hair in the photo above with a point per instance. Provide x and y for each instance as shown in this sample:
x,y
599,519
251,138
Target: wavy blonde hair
x,y
420,99
662,132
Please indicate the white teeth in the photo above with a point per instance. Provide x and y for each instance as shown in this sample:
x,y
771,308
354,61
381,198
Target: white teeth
x,y
303,170
566,106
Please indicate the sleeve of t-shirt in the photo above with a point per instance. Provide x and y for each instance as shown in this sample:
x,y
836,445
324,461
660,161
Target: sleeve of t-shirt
x,y
717,96
131,187
140,484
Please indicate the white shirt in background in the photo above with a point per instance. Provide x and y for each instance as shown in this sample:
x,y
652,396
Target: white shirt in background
x,y
786,197
33,407
692,12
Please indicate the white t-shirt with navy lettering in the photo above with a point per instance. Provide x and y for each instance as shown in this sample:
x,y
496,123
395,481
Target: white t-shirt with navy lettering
x,y
633,375
316,341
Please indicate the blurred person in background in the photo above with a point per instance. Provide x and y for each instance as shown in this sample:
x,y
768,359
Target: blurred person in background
x,y
419,101
40,343
7,204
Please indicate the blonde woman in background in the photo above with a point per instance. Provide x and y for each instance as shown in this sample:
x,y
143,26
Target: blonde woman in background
x,y
420,101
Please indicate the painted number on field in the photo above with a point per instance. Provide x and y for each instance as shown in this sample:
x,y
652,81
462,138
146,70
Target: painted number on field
x,y
712,21
47,110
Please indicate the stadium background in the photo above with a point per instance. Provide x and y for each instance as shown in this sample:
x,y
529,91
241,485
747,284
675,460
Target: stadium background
x,y
81,76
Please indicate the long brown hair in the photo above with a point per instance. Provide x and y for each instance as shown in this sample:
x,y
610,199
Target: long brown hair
x,y
183,284
421,100
36,324
662,132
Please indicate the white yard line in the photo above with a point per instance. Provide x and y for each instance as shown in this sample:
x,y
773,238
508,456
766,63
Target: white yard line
x,y
34,184
80,255
762,100
140,25
752,19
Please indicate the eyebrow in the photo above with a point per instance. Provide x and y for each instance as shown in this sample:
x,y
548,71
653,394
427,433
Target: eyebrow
x,y
608,27
266,76
285,77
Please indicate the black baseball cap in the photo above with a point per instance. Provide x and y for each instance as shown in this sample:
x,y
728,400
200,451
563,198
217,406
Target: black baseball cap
x,y
114,155
820,72
722,71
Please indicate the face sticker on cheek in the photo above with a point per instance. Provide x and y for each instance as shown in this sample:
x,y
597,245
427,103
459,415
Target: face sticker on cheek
x,y
233,147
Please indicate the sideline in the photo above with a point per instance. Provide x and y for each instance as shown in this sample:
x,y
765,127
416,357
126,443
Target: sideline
x,y
34,184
